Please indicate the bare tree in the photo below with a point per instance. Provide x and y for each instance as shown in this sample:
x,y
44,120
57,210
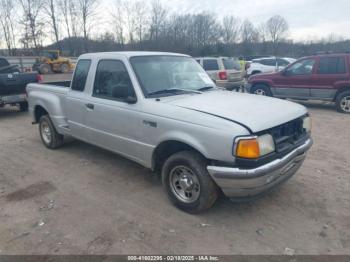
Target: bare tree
x,y
73,15
158,19
64,10
31,11
249,33
50,8
141,19
230,29
277,27
130,20
249,36
6,23
87,10
119,21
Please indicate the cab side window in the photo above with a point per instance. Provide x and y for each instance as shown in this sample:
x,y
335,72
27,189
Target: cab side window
x,y
81,74
112,81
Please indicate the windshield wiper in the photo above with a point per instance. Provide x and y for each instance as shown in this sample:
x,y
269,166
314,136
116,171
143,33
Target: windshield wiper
x,y
205,88
173,90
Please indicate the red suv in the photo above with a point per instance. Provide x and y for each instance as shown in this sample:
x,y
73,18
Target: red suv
x,y
320,77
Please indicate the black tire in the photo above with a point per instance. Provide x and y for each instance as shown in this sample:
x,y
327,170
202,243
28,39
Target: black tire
x,y
45,69
342,102
64,68
261,89
23,107
56,139
197,164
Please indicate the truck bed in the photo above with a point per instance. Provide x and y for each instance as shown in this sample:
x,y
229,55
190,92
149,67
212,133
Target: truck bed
x,y
15,83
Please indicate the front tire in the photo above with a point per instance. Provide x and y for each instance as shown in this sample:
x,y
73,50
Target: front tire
x,y
188,183
49,136
342,102
261,90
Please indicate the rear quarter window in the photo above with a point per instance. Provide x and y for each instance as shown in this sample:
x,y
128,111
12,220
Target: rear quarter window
x,y
81,74
210,65
332,65
231,64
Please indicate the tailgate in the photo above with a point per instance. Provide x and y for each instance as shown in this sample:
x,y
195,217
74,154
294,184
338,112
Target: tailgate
x,y
234,75
12,84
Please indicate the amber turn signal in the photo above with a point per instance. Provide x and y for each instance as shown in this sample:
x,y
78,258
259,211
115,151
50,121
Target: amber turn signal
x,y
248,148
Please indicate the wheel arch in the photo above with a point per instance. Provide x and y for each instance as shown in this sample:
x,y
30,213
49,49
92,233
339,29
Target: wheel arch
x,y
39,111
263,83
167,148
341,90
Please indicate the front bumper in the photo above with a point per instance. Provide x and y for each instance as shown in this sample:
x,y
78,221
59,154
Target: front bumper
x,y
247,183
13,99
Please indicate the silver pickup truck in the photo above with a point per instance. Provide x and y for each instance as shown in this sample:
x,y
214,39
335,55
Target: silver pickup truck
x,y
162,111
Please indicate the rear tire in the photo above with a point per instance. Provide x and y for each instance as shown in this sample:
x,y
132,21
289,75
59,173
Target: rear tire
x,y
261,89
342,102
49,136
23,107
188,183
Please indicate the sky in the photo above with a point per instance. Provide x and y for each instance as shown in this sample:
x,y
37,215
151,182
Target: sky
x,y
308,19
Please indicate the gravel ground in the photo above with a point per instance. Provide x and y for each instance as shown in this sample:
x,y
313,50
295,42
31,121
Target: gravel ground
x,y
83,200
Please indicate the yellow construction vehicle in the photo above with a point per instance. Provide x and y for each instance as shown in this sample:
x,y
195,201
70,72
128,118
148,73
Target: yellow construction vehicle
x,y
50,61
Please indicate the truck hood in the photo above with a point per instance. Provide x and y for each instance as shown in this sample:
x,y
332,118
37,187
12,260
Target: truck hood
x,y
255,112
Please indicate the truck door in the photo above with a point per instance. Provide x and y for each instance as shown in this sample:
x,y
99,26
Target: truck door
x,y
114,118
295,81
76,101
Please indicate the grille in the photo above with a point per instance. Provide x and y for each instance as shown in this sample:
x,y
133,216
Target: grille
x,y
288,135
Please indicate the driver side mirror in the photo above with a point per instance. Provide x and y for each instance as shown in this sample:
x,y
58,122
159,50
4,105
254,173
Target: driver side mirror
x,y
130,100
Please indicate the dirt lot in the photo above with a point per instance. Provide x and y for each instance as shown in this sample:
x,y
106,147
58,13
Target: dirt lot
x,y
84,200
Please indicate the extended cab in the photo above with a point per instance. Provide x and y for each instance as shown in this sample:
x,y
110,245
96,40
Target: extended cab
x,y
320,77
13,85
162,111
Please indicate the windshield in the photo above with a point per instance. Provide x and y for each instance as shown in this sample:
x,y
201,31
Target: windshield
x,y
162,73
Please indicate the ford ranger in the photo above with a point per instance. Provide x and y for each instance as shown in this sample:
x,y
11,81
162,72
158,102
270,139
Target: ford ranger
x,y
164,112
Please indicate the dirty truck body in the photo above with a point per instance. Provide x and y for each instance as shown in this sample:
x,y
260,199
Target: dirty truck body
x,y
162,111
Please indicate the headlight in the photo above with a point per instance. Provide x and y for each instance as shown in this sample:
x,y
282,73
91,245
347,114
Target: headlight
x,y
254,147
307,124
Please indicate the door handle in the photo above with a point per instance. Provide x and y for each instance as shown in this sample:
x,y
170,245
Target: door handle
x,y
90,106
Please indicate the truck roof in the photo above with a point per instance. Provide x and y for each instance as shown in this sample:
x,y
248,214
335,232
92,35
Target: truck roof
x,y
128,54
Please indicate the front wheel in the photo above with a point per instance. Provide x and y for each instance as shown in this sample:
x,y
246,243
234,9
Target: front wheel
x,y
261,90
188,183
342,102
48,133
